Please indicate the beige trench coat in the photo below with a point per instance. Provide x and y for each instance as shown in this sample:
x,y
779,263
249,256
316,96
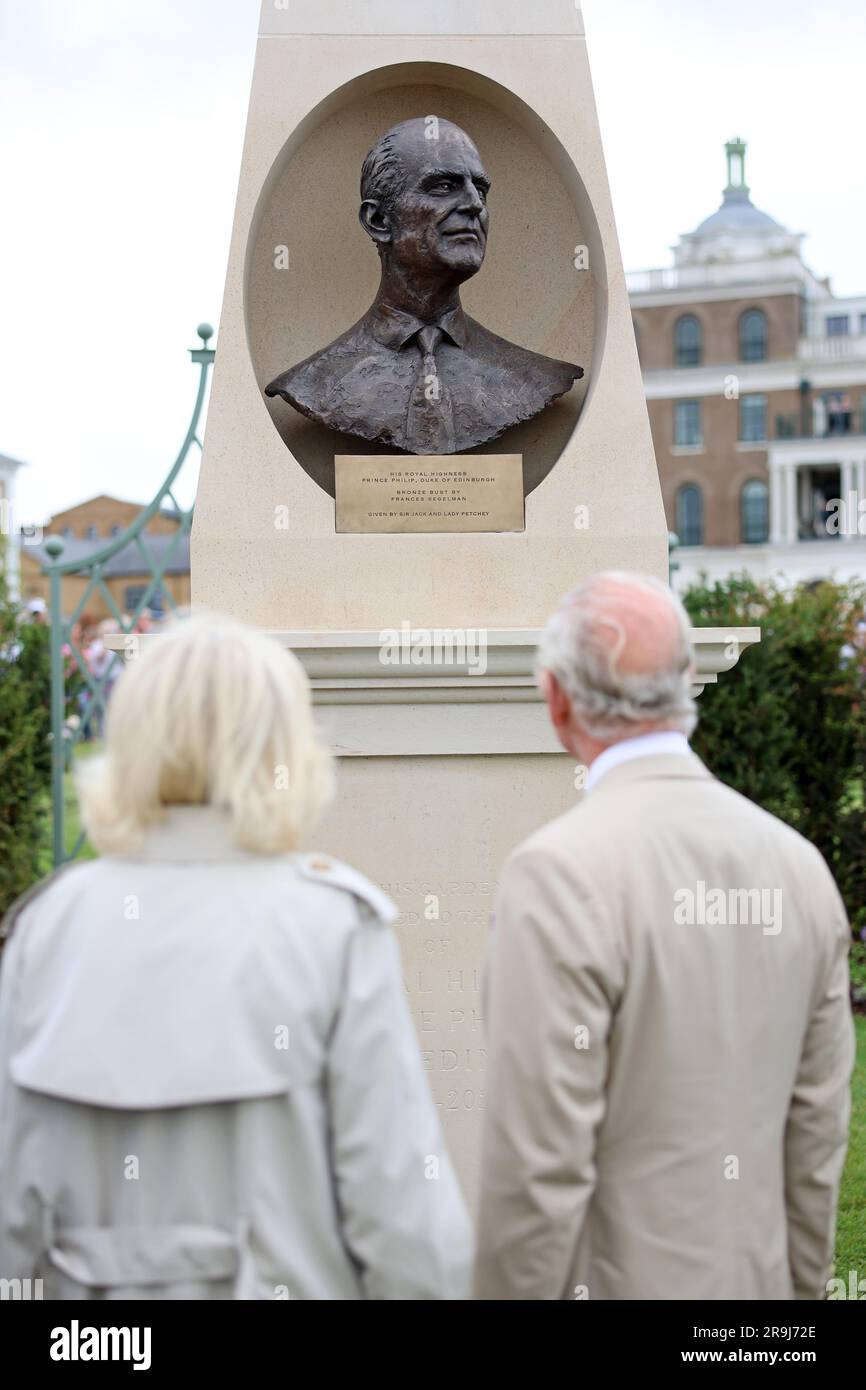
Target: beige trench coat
x,y
210,1085
668,1102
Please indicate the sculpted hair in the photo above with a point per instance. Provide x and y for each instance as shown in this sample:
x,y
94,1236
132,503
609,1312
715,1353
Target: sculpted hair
x,y
382,172
211,713
584,643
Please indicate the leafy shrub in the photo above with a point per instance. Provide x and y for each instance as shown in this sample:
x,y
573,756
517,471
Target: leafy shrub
x,y
858,974
25,749
787,726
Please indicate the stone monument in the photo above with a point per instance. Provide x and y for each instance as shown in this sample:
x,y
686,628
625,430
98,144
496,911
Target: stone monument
x,y
415,601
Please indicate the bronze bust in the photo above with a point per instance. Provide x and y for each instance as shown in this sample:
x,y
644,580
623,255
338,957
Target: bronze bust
x,y
416,372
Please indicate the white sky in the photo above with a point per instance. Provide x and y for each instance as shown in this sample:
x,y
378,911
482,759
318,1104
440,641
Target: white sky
x,y
122,126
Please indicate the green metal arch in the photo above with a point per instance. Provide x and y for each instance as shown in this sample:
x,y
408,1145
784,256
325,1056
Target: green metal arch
x,y
64,738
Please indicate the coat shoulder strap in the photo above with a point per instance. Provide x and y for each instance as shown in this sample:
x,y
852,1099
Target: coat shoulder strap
x,y
322,869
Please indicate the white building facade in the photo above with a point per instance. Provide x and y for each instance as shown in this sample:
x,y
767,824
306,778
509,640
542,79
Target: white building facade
x,y
9,525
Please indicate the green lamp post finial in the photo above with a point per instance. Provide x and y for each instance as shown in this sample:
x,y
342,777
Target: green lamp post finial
x,y
203,354
53,547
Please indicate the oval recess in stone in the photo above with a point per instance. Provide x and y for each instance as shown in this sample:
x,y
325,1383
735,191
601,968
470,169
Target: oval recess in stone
x,y
529,289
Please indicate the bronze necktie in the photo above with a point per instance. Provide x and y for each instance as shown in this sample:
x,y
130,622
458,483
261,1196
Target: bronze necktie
x,y
430,417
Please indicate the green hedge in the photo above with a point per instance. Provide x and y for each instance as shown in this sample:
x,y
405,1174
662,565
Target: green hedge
x,y
25,749
787,726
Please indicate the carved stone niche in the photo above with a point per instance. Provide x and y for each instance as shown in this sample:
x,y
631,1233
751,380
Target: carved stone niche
x,y
541,286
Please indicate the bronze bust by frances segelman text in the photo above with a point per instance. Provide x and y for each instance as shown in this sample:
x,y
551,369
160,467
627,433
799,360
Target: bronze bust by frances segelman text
x,y
416,372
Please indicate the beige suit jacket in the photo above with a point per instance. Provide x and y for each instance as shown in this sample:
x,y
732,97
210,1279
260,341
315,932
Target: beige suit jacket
x,y
669,1099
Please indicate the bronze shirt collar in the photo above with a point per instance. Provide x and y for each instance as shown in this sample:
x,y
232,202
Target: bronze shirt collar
x,y
394,328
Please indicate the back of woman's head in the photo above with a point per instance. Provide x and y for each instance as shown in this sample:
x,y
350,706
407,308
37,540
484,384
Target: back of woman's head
x,y
211,713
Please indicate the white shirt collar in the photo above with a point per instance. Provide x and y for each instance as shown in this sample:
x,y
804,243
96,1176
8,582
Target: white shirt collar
x,y
644,746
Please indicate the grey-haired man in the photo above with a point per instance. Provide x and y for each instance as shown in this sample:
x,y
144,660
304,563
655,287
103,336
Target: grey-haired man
x,y
668,1013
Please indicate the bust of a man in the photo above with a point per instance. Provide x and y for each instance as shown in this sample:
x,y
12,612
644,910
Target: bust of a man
x,y
416,372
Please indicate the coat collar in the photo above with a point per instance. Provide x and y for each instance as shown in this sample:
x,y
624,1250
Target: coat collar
x,y
664,742
192,834
658,767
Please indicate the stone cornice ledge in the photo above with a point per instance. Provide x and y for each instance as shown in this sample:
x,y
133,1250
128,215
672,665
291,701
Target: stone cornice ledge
x,y
480,697
499,660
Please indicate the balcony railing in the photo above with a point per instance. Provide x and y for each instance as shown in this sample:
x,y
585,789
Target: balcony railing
x,y
840,424
638,281
830,348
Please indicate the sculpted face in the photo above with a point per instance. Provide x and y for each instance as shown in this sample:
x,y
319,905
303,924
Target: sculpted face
x,y
439,219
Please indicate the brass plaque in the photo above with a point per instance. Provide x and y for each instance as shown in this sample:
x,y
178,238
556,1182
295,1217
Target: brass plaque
x,y
429,492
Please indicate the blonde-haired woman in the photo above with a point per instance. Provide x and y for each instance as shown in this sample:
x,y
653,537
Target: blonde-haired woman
x,y
209,1082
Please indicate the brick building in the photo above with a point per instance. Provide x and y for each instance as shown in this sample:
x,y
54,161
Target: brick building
x,y
102,518
755,376
87,528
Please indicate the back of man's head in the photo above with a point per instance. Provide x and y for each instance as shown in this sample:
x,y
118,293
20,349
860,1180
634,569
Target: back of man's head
x,y
620,649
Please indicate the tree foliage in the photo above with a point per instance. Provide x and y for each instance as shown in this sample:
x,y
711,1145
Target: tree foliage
x,y
787,726
25,749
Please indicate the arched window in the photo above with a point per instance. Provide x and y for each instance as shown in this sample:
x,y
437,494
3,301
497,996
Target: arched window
x,y
755,512
690,515
688,341
753,336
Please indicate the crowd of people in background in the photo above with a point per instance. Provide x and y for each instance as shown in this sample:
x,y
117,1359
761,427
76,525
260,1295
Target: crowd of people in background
x,y
89,660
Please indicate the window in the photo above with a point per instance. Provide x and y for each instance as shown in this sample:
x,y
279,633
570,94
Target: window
x,y
66,532
755,512
838,326
134,593
863,323
688,341
90,533
132,596
753,419
687,423
690,515
753,336
114,530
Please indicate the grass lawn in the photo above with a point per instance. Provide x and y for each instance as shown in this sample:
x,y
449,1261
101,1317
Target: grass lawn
x,y
851,1217
71,815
